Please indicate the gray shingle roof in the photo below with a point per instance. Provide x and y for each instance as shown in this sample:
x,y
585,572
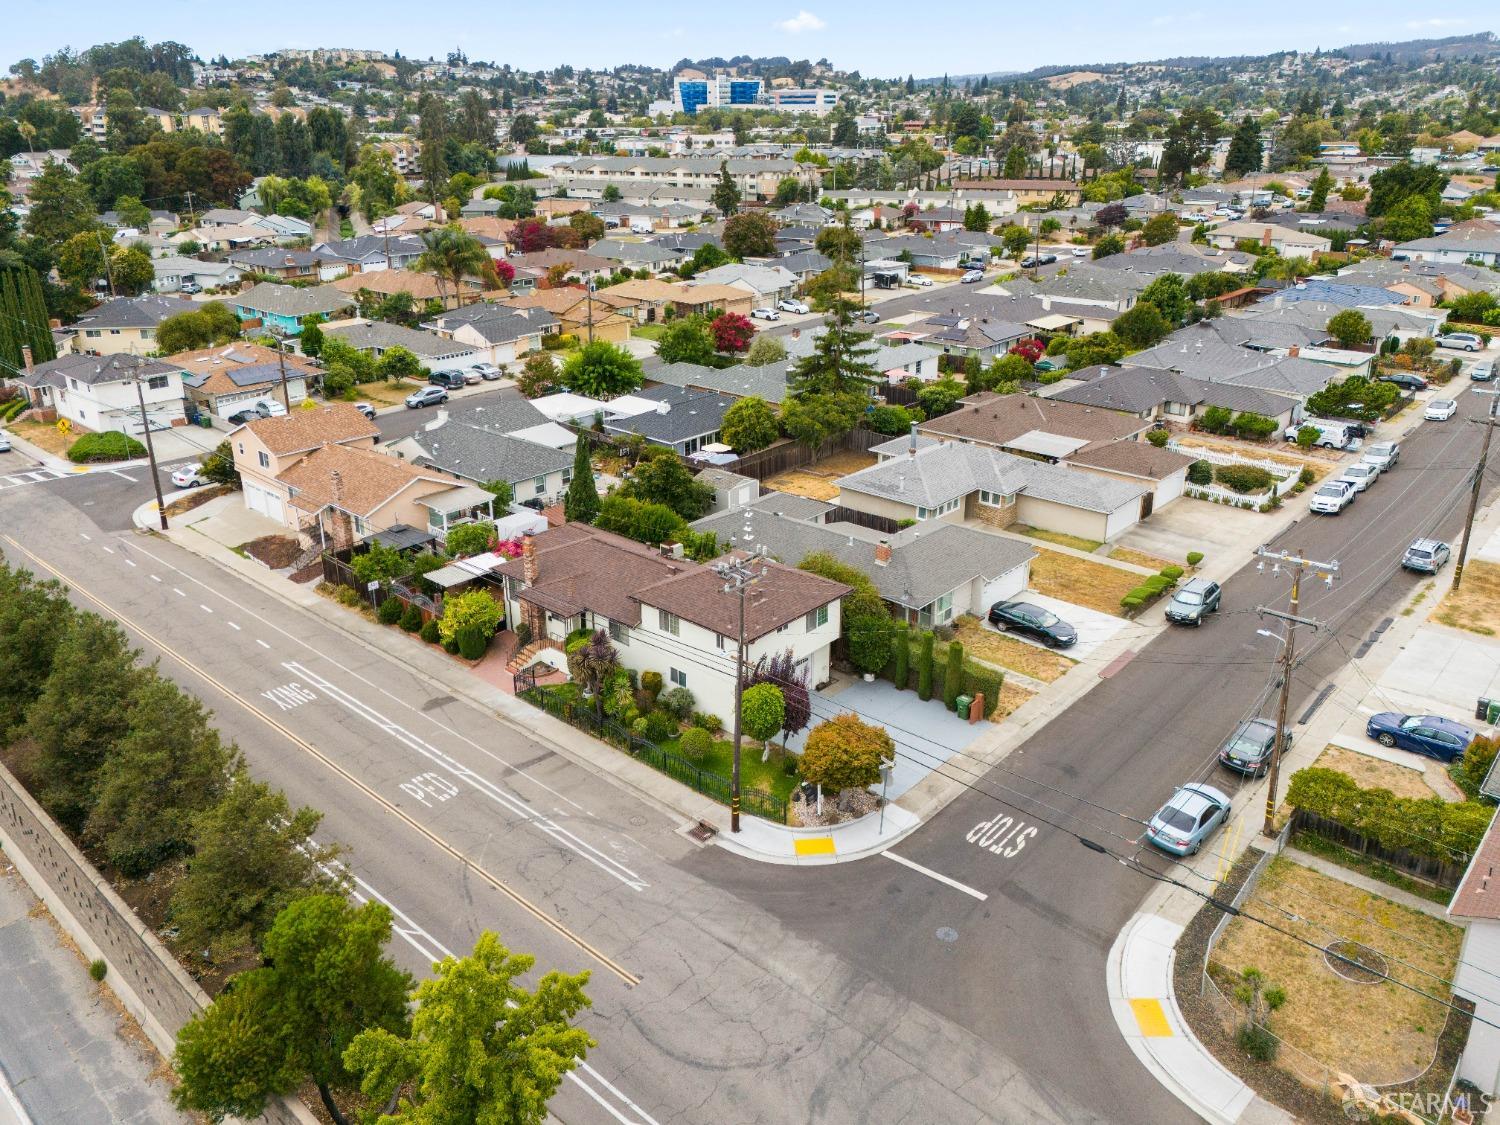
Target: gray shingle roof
x,y
379,334
134,312
498,324
1135,390
690,414
480,454
767,382
93,369
291,300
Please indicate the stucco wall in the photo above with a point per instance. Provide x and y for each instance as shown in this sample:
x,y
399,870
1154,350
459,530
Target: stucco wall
x,y
1051,516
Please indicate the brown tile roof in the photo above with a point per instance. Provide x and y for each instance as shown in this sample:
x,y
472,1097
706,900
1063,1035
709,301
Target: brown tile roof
x,y
489,225
368,480
701,294
219,360
999,419
574,259
1134,458
422,286
1478,896
648,289
782,595
555,301
301,430
582,568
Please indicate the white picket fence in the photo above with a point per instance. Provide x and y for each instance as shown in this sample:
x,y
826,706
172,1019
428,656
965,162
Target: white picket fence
x,y
1284,477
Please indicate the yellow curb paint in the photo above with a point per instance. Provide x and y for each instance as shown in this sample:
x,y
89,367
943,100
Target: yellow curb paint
x,y
813,845
1152,1018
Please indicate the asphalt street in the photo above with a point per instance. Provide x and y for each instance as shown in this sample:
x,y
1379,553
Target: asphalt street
x,y
726,989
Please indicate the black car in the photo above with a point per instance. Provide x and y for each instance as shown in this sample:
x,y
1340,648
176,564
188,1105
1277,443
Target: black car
x,y
1033,620
450,380
1248,749
1406,381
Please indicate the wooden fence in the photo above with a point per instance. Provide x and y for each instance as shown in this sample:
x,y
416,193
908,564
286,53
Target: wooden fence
x,y
1436,871
883,524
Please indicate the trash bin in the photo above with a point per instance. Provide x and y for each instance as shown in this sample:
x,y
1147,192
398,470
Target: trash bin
x,y
962,704
1482,710
205,421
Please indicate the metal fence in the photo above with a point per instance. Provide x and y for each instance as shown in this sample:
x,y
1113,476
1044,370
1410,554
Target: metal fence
x,y
712,785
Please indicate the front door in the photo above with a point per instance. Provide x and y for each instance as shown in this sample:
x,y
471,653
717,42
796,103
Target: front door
x,y
1146,502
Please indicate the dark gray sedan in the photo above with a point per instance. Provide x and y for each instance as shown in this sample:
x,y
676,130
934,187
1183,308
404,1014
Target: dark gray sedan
x,y
1248,749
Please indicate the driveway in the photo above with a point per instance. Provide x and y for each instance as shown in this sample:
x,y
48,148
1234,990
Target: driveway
x,y
1196,525
926,734
1094,628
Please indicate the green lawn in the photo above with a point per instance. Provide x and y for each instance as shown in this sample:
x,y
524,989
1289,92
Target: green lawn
x,y
649,331
754,774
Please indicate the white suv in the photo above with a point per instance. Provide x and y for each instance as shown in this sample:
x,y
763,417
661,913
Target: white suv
x,y
1333,497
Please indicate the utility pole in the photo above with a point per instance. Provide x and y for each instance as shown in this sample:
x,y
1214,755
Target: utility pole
x,y
161,504
104,255
192,211
1298,566
589,289
1484,454
286,394
738,578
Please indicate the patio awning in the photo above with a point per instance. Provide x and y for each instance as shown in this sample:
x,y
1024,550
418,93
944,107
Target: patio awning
x,y
1053,322
464,570
456,499
1046,445
401,537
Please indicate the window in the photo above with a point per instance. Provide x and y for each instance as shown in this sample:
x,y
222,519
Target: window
x,y
942,609
940,510
541,485
817,617
667,622
148,333
264,459
242,447
619,633
720,641
157,383
73,384
114,331
679,677
1176,408
995,499
92,333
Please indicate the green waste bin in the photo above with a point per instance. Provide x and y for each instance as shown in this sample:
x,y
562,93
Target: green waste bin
x,y
962,704
205,421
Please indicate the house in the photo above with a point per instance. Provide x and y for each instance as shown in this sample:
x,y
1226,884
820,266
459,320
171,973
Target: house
x,y
1476,906
1155,395
682,420
222,239
222,380
124,324
1285,241
1028,190
767,284
480,448
577,264
1462,243
283,308
378,337
371,252
925,253
635,255
926,576
927,480
1086,284
100,393
422,287
501,334
708,299
937,220
267,448
585,314
805,265
731,490
160,222
292,265
669,615
172,271
375,492
955,334
766,382
804,214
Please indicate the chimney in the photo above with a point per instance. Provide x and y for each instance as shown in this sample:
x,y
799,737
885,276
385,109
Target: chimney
x,y
26,357
343,528
529,568
1293,352
883,553
1046,304
911,445
1265,237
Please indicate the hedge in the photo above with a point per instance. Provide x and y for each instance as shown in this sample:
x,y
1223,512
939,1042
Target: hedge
x,y
1244,479
953,674
111,445
977,678
1428,827
924,667
390,611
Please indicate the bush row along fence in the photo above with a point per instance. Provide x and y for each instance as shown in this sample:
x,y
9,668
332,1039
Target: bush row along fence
x,y
1429,870
977,678
1217,494
715,786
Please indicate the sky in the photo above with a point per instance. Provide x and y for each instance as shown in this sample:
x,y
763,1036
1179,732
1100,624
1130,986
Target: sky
x,y
880,38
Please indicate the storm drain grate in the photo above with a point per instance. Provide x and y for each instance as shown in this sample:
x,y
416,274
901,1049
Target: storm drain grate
x,y
702,832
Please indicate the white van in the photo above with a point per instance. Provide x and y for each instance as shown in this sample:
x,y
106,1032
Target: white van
x,y
1331,435
641,226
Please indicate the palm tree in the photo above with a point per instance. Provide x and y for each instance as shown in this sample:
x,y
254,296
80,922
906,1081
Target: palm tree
x,y
452,253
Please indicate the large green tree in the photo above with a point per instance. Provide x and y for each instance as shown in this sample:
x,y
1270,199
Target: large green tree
x,y
481,1047
841,361
726,193
1390,186
326,980
602,370
582,502
748,425
23,316
750,235
453,254
1350,327
686,340
1245,151
660,477
61,206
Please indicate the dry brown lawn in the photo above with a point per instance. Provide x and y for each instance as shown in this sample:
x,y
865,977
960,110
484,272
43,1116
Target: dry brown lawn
x,y
1096,585
1374,773
1321,461
386,394
819,481
1012,696
1476,605
1010,652
1378,1032
1140,558
44,435
1061,538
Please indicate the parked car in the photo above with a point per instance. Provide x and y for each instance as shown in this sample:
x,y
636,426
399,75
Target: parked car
x,y
919,281
1048,259
1406,381
427,396
970,277
452,380
1382,454
487,371
1440,410
1029,262
1431,735
1361,476
1188,818
470,376
765,313
798,307
249,414
1195,600
1463,341
189,476
1331,435
366,409
4,443
1483,371
1332,497
190,287
1426,555
1033,620
1081,251
1248,749
868,316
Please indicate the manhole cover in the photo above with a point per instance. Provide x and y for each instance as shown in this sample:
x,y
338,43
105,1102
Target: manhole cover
x,y
1355,962
947,933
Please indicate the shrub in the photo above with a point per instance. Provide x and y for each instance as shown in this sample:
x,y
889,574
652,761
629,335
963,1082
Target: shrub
x,y
1200,472
762,710
660,726
1469,772
707,721
470,538
523,634
953,676
902,644
1159,438
1142,593
411,620
651,683
1172,572
97,969
1306,477
638,726
430,632
472,641
678,701
390,611
1129,603
450,646
924,668
1244,478
1431,828
472,608
1256,1042
870,642
696,743
111,445
347,596
982,680
1194,558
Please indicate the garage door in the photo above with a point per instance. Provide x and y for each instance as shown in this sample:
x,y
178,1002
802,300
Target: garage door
x,y
1008,585
263,502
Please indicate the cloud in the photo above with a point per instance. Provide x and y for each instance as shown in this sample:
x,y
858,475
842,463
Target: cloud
x,y
1435,22
802,21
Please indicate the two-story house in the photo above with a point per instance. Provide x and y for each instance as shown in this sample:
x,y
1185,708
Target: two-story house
x,y
265,449
227,378
125,324
667,614
105,392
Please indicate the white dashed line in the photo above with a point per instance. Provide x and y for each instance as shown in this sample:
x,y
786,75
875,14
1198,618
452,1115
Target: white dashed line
x,y
261,643
233,626
109,550
931,874
204,608
85,538
129,562
156,578
178,592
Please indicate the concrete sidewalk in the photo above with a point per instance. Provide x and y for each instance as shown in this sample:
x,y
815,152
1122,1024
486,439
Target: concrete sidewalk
x,y
758,839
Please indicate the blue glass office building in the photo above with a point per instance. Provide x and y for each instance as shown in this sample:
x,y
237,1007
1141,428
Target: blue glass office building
x,y
692,95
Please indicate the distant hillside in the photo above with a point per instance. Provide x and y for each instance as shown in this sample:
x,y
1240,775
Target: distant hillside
x,y
1427,50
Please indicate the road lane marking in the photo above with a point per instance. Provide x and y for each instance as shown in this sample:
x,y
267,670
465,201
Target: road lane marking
x,y
1151,1018
178,592
536,912
507,800
85,538
109,550
261,643
156,578
233,626
204,608
129,561
931,874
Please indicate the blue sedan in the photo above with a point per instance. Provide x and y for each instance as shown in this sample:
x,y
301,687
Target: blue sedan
x,y
1188,819
1432,735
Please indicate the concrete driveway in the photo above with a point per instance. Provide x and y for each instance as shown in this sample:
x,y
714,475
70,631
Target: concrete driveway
x,y
926,734
1196,525
1094,628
